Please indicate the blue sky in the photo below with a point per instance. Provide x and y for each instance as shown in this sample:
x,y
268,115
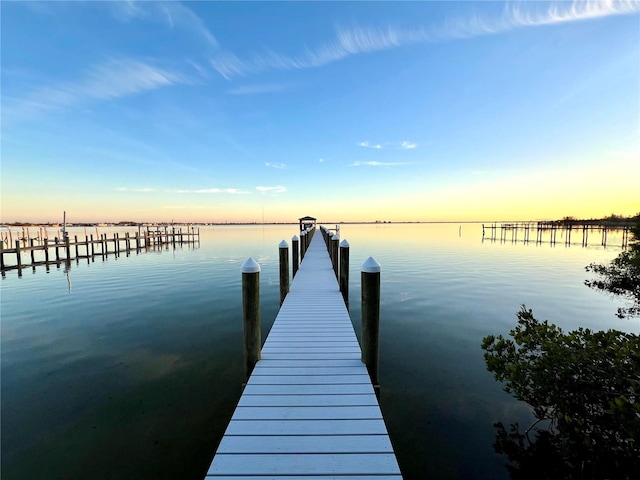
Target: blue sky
x,y
239,111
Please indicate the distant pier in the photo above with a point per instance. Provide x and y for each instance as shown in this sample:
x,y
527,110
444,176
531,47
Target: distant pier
x,y
30,252
547,232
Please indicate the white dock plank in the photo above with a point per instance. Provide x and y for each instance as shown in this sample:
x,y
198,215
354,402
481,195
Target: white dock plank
x,y
307,380
307,389
309,410
306,413
308,400
304,464
306,444
307,427
307,371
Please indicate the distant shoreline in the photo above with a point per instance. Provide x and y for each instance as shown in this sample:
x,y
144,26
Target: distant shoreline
x,y
616,220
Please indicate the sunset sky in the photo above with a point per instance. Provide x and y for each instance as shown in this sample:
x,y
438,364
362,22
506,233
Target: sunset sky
x,y
241,111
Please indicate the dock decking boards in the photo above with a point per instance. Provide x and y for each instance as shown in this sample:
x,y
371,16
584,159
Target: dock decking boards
x,y
309,409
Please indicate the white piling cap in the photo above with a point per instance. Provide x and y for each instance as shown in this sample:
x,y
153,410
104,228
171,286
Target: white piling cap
x,y
303,233
335,237
344,244
294,238
250,266
370,266
283,244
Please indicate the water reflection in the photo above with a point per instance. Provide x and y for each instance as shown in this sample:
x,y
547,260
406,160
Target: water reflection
x,y
152,346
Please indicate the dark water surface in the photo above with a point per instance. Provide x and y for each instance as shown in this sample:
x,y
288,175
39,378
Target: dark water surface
x,y
131,367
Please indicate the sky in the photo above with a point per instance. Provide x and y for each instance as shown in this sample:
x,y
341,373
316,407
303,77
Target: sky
x,y
345,111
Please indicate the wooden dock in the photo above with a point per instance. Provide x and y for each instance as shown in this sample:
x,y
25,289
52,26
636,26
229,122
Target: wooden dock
x,y
309,409
495,232
32,252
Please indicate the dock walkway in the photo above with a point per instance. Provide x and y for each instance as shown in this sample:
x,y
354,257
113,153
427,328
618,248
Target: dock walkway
x,y
309,409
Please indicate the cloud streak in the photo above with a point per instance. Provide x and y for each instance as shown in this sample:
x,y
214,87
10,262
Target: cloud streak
x,y
408,145
361,40
115,78
276,189
379,164
229,191
173,14
279,166
376,146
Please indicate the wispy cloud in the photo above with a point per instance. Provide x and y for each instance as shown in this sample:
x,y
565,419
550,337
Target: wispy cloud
x,y
276,165
379,164
376,146
136,189
276,189
115,78
321,160
407,145
173,14
256,89
229,191
361,40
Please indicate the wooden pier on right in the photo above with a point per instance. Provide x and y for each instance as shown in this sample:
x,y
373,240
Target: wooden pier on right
x,y
547,232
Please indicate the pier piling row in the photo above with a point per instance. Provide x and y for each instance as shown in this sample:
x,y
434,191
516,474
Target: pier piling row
x,y
88,248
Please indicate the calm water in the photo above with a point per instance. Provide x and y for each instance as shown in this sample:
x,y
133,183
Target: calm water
x,y
131,367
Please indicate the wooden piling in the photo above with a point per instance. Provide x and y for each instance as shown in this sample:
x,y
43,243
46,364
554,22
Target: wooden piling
x,y
284,270
344,272
370,280
18,257
335,240
251,315
75,240
46,251
303,244
295,249
67,247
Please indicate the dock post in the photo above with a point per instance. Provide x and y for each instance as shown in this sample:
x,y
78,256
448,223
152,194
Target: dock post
x,y
303,246
33,258
295,248
2,255
93,246
344,272
370,279
46,250
67,247
251,315
284,270
335,239
18,259
75,240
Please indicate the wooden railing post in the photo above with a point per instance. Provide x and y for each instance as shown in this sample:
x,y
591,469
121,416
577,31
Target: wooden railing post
x,y
344,271
303,244
370,278
251,315
295,247
284,270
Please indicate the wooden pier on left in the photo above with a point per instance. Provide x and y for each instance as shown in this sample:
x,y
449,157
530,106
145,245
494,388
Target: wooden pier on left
x,y
31,252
